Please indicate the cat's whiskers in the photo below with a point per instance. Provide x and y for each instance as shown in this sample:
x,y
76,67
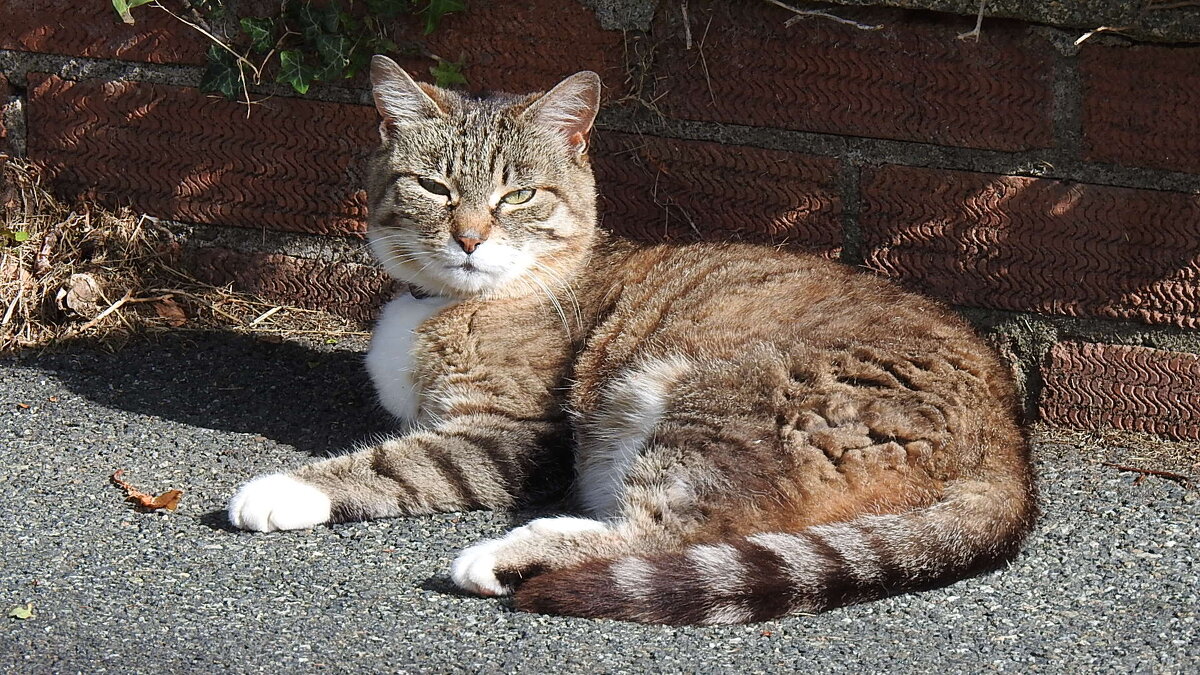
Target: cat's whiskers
x,y
566,287
535,284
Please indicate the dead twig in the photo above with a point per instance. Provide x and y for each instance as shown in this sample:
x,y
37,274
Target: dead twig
x,y
111,308
687,26
977,31
1183,480
264,316
802,14
1102,29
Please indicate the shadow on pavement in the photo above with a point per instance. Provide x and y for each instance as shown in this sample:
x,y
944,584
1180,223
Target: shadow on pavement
x,y
318,401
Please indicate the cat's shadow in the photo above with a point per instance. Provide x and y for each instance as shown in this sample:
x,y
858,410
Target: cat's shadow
x,y
316,400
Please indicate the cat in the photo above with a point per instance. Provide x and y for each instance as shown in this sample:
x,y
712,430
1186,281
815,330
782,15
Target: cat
x,y
754,432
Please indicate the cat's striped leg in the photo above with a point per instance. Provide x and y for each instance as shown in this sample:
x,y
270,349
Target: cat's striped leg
x,y
468,462
655,512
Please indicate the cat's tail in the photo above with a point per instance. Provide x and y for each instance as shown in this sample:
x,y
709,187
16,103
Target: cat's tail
x,y
762,576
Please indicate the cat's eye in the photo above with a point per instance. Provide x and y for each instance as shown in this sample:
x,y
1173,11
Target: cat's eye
x,y
433,186
518,196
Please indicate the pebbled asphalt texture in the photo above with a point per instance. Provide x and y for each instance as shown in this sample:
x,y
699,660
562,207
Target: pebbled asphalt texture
x,y
1110,582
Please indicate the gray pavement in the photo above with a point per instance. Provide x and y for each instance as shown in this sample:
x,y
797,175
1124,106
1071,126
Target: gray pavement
x,y
1110,582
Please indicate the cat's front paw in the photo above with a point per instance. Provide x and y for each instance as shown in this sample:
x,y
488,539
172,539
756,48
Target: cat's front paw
x,y
278,502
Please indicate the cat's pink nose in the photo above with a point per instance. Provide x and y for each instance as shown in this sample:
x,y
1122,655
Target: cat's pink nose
x,y
468,244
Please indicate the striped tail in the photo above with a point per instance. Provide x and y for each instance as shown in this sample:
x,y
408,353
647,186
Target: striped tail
x,y
768,575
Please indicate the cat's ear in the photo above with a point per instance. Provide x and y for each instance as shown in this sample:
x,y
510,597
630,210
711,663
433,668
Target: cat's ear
x,y
569,108
398,98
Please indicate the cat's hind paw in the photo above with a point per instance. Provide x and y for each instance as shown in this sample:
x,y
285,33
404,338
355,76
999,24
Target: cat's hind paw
x,y
474,570
278,502
495,566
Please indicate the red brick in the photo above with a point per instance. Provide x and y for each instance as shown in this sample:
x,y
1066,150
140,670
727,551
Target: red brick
x,y
1094,386
666,189
347,289
523,46
1008,242
93,29
1141,106
175,153
909,81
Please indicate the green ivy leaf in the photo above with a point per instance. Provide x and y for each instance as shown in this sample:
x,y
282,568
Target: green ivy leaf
x,y
314,21
448,74
123,7
222,74
294,71
261,32
20,236
334,51
436,9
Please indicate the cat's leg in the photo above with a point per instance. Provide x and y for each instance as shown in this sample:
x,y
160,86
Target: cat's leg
x,y
657,511
638,489
468,462
497,566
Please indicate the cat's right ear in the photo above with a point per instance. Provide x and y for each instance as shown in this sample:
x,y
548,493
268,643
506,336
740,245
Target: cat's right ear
x,y
398,98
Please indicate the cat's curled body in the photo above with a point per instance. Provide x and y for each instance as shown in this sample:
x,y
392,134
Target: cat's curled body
x,y
754,432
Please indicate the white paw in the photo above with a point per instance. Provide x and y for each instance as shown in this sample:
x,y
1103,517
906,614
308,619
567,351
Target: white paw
x,y
563,525
278,502
474,570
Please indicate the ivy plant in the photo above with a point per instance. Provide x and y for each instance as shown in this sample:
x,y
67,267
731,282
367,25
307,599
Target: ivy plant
x,y
12,237
308,41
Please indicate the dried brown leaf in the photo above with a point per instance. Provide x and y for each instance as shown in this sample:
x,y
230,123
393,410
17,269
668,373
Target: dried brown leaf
x,y
168,500
171,311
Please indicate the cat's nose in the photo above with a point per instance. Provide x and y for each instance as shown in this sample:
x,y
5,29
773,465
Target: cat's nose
x,y
468,244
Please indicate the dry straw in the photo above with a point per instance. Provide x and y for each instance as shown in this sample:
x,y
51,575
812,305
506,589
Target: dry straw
x,y
80,271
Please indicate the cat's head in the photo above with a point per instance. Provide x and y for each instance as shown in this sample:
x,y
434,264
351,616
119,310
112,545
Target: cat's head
x,y
481,196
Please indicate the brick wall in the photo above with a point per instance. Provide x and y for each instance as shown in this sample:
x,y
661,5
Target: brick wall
x,y
1051,191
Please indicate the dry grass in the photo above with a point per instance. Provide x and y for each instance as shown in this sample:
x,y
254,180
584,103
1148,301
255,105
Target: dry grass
x,y
70,272
1144,451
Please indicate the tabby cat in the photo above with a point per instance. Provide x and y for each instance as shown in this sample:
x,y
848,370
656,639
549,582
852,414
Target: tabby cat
x,y
753,432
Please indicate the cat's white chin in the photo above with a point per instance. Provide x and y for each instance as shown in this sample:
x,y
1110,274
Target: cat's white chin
x,y
475,281
278,502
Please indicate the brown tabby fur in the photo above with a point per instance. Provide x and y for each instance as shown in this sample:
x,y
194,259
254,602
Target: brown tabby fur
x,y
824,437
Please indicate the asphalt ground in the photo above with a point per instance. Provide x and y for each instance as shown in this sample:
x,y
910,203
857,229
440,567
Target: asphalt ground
x,y
1110,581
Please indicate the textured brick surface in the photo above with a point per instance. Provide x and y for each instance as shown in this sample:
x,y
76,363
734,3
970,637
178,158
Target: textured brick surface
x,y
529,45
666,189
1141,106
910,81
1132,388
175,153
91,28
1008,242
347,289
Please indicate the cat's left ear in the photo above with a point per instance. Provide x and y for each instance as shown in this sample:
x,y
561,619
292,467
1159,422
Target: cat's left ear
x,y
569,109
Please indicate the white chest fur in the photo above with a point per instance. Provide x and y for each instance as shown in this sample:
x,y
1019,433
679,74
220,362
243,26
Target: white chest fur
x,y
391,360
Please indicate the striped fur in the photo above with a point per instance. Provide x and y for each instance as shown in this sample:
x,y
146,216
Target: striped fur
x,y
755,432
771,574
